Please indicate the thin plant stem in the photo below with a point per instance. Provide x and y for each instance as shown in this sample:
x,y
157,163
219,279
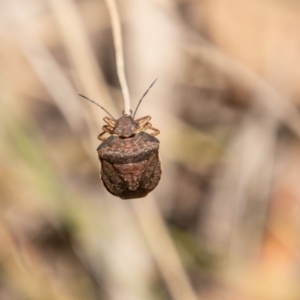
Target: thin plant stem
x,y
117,37
163,249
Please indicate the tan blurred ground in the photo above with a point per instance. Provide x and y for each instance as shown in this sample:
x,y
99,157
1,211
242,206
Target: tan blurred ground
x,y
223,222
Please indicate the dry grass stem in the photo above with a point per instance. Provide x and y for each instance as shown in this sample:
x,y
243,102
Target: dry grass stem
x,y
49,72
163,249
80,52
117,36
44,65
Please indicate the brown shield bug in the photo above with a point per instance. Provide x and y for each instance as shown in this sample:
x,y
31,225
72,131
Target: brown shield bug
x,y
130,165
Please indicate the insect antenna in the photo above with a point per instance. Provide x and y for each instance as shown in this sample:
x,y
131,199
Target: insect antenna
x,y
96,104
143,97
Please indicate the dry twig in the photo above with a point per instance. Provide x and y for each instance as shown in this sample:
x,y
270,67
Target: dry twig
x,y
117,36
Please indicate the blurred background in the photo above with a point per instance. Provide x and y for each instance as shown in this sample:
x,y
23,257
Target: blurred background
x,y
224,221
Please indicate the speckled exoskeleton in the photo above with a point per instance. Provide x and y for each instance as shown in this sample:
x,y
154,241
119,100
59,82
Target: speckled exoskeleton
x,y
130,165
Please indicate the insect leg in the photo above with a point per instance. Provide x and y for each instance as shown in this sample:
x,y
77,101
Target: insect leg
x,y
155,131
149,126
106,129
111,122
142,121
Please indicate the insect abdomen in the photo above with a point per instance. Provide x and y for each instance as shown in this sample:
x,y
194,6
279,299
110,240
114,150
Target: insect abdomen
x,y
130,167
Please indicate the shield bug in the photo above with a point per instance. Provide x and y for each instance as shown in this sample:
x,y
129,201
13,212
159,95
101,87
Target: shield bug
x,y
130,165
